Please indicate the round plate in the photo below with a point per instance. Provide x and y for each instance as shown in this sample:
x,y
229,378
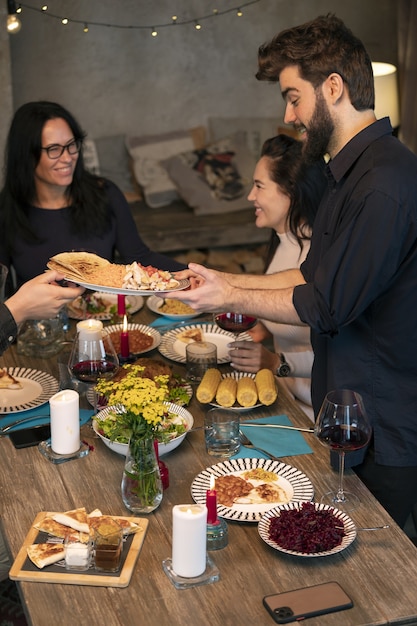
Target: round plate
x,y
348,525
154,304
163,448
173,348
295,484
182,284
148,330
76,313
37,388
236,406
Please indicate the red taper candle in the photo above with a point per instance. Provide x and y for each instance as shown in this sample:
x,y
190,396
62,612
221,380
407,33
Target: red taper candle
x,y
211,502
124,340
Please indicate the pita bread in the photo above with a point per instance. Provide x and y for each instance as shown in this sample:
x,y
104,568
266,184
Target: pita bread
x,y
189,335
43,554
127,526
51,527
77,264
7,381
76,519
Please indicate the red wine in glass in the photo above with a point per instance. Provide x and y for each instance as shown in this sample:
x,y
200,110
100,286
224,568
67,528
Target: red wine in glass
x,y
343,426
235,322
91,371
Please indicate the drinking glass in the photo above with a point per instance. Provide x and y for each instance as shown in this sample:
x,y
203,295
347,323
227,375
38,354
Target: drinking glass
x,y
342,425
92,357
235,323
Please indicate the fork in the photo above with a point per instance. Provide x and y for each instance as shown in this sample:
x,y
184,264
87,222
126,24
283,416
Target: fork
x,y
248,444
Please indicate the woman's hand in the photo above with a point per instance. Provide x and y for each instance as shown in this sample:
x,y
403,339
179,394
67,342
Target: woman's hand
x,y
250,357
41,297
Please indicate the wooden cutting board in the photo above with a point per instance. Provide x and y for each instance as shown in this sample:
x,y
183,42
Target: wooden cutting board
x,y
24,569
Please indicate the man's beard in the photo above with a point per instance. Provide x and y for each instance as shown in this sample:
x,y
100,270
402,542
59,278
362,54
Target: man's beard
x,y
319,132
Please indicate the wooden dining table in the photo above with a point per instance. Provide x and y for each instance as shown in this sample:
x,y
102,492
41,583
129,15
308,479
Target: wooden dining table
x,y
378,570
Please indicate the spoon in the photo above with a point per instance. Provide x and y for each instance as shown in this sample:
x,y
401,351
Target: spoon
x,y
374,528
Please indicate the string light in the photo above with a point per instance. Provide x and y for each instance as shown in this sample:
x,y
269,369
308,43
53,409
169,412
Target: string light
x,y
13,22
196,21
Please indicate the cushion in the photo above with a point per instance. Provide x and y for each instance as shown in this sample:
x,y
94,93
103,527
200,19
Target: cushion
x,y
214,179
255,129
90,156
114,161
146,152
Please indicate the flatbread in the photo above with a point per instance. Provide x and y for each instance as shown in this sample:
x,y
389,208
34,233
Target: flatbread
x,y
7,381
43,554
51,527
77,264
189,335
127,526
76,519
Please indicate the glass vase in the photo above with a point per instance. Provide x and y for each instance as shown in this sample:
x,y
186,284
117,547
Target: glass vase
x,y
141,483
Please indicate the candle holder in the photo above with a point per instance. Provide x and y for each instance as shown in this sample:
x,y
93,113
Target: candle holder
x,y
217,535
210,575
45,448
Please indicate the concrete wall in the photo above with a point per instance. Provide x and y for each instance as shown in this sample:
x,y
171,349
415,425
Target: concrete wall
x,y
125,80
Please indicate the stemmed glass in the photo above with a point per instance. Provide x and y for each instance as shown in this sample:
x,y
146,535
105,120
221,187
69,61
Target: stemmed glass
x,y
235,323
92,357
342,425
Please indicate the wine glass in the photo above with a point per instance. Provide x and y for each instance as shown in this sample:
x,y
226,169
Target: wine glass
x,y
92,357
235,323
342,425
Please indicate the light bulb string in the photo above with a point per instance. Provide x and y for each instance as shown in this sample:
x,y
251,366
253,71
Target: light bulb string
x,y
176,22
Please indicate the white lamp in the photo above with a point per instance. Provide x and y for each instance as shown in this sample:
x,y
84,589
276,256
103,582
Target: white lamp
x,y
386,92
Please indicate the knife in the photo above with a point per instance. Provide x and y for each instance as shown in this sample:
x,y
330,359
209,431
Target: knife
x,y
305,430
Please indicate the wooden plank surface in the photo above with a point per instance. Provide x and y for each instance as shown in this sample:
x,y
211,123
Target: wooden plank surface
x,y
378,570
22,569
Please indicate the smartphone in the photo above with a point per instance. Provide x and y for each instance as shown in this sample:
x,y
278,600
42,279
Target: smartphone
x,y
292,606
26,437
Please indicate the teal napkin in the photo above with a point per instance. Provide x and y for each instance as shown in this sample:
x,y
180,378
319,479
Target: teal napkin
x,y
40,415
277,441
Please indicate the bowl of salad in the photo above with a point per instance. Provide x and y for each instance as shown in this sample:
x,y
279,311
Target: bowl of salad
x,y
108,424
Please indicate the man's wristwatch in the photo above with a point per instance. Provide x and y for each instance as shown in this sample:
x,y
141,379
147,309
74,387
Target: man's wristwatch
x,y
283,368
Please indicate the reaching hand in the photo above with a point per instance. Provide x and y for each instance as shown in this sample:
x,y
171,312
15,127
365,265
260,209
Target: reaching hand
x,y
248,356
209,291
41,297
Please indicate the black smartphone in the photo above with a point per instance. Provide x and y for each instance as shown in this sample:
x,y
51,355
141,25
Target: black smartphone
x,y
26,437
292,606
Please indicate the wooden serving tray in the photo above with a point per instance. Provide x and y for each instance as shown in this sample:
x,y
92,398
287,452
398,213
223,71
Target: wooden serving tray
x,y
24,569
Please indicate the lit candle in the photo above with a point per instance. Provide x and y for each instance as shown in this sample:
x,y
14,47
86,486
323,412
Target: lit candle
x,y
211,502
65,421
124,340
189,552
121,306
89,330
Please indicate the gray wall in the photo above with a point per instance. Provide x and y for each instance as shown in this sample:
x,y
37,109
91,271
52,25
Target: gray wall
x,y
117,80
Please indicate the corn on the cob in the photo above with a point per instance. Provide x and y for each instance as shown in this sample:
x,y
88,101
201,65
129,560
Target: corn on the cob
x,y
206,390
226,392
265,384
247,394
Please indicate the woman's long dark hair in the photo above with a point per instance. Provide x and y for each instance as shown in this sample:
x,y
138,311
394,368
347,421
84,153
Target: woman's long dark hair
x,y
304,185
86,194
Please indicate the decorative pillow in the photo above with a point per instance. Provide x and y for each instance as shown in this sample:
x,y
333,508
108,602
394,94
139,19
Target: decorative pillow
x,y
114,162
146,152
214,179
255,130
90,156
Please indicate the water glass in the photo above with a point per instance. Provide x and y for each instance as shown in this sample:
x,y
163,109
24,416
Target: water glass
x,y
221,431
200,356
41,338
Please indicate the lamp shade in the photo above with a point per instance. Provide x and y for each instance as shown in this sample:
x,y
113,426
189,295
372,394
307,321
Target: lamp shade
x,y
386,92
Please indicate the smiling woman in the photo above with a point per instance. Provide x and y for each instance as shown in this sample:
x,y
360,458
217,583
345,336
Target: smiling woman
x,y
51,204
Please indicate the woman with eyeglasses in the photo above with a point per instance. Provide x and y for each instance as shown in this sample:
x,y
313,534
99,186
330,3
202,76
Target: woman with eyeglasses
x,y
50,203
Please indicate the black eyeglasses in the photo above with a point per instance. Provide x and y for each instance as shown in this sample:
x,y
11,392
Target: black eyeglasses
x,y
56,151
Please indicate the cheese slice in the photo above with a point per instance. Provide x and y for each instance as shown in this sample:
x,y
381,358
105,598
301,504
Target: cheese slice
x,y
43,554
7,381
76,519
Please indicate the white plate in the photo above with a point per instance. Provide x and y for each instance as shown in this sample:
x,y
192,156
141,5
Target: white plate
x,y
183,284
147,330
38,387
163,448
296,485
154,304
173,348
236,406
75,313
348,525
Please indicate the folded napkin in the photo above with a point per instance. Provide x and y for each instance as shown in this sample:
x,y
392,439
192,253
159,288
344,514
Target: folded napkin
x,y
40,415
277,441
168,324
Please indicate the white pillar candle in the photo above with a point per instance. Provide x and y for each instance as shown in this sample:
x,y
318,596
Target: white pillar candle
x,y
89,336
189,538
65,421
